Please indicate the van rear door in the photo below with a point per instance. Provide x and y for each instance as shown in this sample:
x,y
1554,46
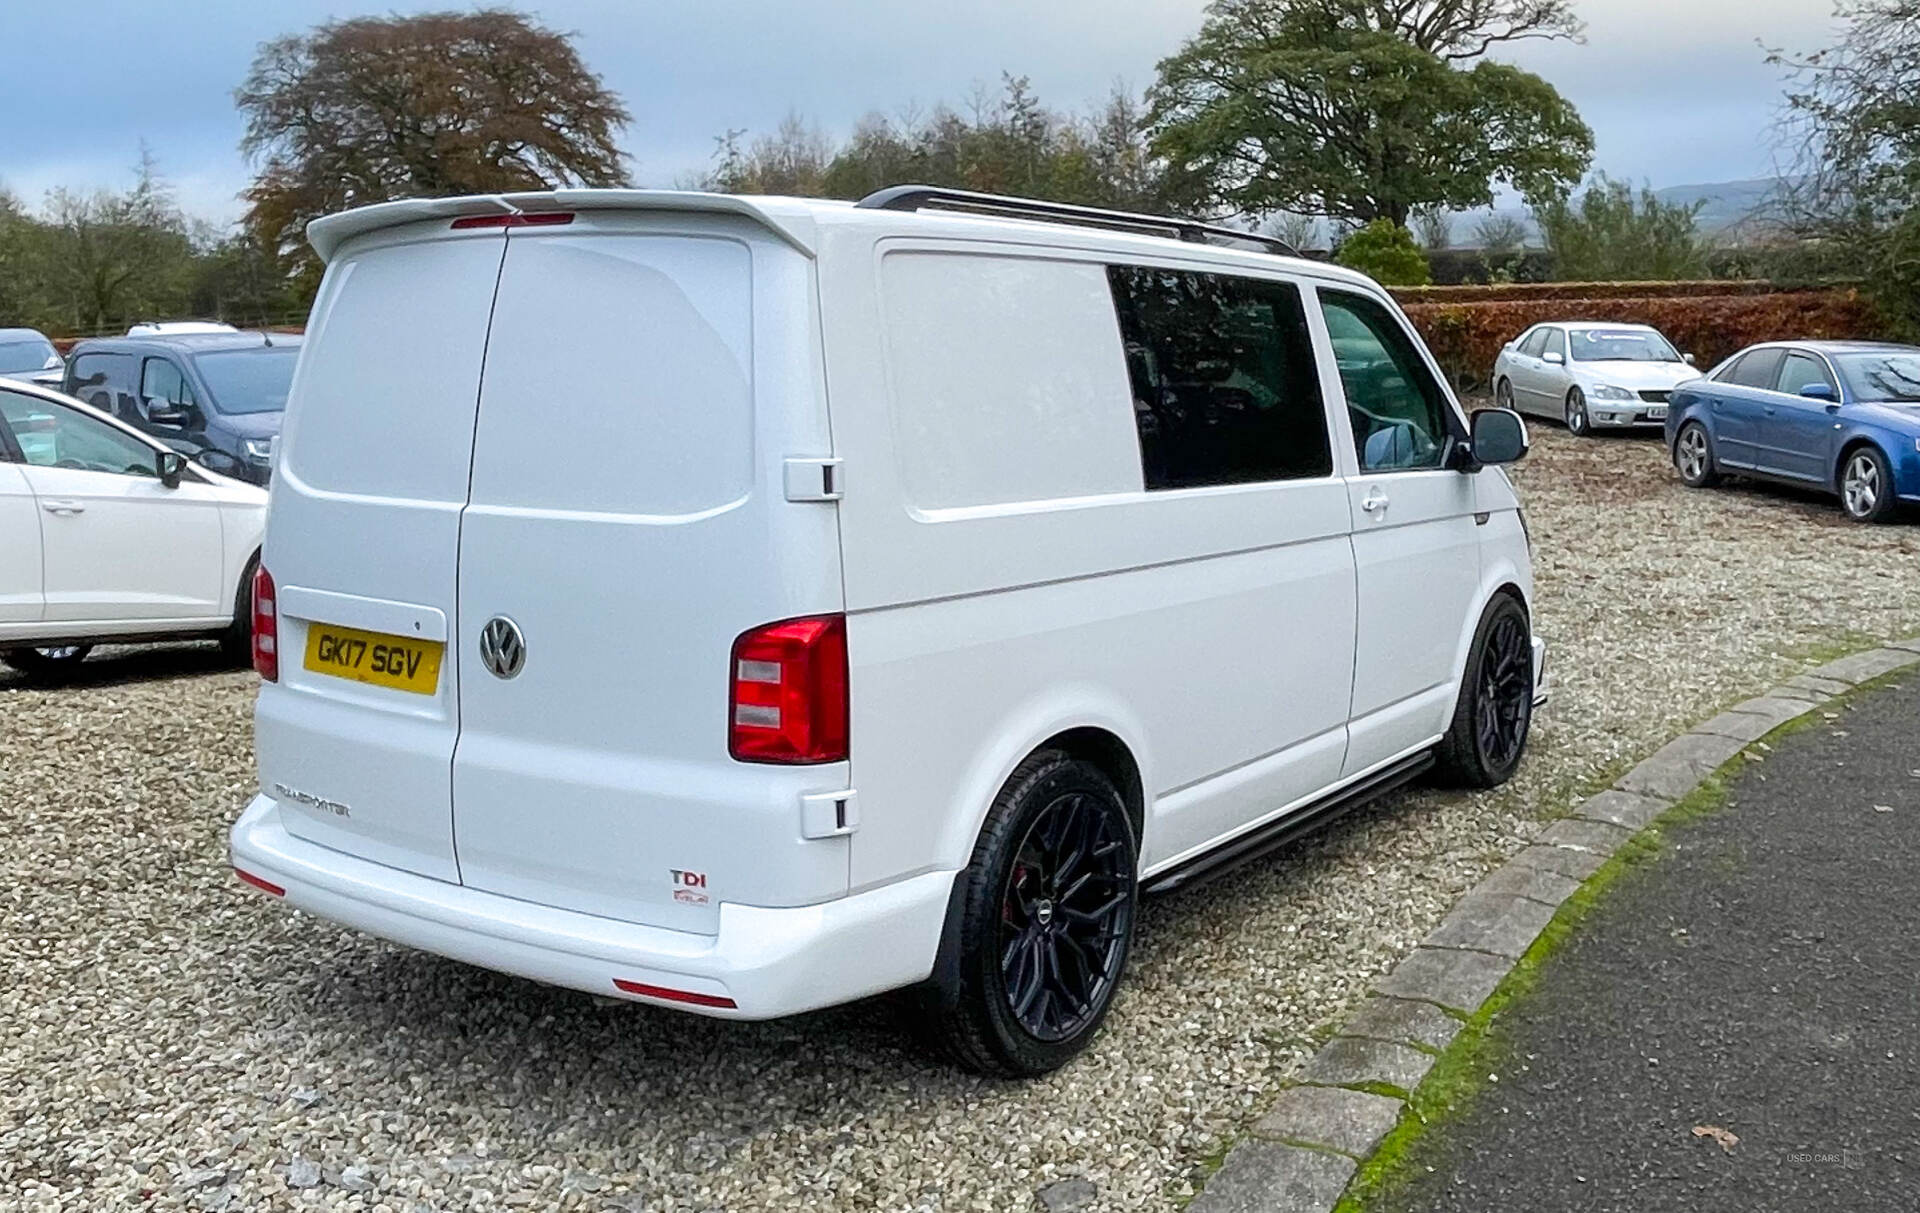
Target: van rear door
x,y
647,375
362,542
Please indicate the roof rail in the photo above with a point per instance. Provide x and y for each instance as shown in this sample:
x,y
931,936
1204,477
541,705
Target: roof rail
x,y
916,197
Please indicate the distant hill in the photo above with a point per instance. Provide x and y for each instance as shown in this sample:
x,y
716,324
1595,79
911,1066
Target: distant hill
x,y
1726,205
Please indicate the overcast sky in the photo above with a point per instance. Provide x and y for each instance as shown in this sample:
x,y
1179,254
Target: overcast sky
x,y
1677,91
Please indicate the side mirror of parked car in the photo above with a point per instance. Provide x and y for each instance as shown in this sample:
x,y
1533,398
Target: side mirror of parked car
x,y
169,465
1499,436
1688,359
1558,359
1818,391
165,414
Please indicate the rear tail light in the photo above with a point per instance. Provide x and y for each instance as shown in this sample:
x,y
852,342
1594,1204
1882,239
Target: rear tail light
x,y
789,701
514,219
266,626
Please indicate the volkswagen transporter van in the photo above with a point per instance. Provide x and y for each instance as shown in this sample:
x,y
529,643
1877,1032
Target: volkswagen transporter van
x,y
746,605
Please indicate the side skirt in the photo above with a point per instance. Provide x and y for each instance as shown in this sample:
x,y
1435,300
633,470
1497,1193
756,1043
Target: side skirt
x,y
1250,846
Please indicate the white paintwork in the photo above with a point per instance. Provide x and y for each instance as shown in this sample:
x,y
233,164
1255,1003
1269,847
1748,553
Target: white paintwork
x,y
633,393
89,555
1541,386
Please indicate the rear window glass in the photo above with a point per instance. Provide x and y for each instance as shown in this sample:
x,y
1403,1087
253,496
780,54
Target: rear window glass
x,y
1224,385
18,355
1756,369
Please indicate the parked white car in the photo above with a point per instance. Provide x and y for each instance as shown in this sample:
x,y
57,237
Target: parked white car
x,y
108,536
177,328
916,589
1591,375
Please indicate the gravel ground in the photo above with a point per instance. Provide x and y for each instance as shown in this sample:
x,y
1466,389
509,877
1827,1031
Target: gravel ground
x,y
168,1037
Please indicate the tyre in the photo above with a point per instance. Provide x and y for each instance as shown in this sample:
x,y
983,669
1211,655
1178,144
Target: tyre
x,y
236,643
1494,713
1693,457
1577,422
50,661
1503,393
1866,485
1045,921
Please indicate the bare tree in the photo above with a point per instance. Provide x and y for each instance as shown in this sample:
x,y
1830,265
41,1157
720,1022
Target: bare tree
x,y
1434,226
1501,233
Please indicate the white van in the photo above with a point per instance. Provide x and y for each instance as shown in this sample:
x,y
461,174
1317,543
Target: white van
x,y
750,604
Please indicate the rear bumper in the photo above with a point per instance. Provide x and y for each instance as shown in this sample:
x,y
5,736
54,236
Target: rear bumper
x,y
766,962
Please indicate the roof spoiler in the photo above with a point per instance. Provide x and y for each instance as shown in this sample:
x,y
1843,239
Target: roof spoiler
x,y
329,232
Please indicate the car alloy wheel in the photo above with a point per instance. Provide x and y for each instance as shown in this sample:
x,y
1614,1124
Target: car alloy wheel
x,y
1064,917
1577,423
1503,704
1503,393
1863,485
1690,454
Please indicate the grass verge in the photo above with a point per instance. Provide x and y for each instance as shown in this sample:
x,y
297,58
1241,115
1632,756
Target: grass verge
x,y
1458,1076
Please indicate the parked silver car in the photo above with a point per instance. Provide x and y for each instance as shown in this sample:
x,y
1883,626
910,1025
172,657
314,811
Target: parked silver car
x,y
1591,375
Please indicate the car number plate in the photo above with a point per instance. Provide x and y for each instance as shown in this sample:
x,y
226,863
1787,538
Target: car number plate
x,y
375,658
1657,414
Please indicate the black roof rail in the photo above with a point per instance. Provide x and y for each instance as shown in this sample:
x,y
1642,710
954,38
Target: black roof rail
x,y
915,197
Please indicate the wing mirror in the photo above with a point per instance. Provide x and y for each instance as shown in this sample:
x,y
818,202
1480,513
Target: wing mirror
x,y
166,415
1688,359
1557,359
1818,391
1499,436
169,465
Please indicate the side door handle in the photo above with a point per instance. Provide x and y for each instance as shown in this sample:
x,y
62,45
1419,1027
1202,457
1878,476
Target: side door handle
x,y
1375,502
58,506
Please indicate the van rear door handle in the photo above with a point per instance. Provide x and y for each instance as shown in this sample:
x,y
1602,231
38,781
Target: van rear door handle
x,y
63,507
1375,502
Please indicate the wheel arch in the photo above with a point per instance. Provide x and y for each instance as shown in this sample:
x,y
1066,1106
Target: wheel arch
x,y
1852,443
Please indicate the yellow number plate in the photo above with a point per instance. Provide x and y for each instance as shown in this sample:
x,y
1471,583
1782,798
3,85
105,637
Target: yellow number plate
x,y
375,657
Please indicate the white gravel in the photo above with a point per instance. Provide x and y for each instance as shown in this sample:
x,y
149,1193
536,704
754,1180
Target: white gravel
x,y
169,1039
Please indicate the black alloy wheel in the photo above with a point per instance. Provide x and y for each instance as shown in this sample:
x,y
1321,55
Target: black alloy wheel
x,y
1065,917
1494,713
1041,922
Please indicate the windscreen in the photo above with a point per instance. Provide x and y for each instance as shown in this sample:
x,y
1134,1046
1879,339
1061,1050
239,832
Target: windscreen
x,y
1882,378
27,354
249,381
1621,345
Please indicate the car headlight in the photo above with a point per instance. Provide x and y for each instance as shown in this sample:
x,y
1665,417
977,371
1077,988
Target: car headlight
x,y
1606,391
260,450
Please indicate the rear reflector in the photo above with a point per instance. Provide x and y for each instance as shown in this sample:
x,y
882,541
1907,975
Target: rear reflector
x,y
266,626
264,885
519,219
789,692
686,996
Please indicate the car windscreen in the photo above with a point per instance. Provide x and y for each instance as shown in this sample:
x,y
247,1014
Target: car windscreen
x,y
1620,345
248,381
1881,377
20,355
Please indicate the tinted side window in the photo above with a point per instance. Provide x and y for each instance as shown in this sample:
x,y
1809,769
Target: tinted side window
x,y
1799,370
1756,369
1535,344
1225,390
1399,410
105,381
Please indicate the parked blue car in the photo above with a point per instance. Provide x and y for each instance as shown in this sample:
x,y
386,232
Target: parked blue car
x,y
1843,416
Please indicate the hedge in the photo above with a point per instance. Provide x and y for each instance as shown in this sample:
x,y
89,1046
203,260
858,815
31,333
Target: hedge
x,y
1466,337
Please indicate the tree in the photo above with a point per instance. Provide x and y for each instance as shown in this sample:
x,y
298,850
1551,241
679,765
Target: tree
x,y
1385,252
377,108
1606,236
1853,129
104,258
1005,143
1434,225
1362,109
1501,234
